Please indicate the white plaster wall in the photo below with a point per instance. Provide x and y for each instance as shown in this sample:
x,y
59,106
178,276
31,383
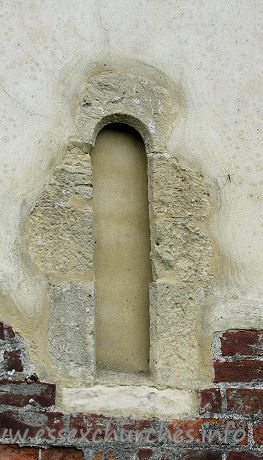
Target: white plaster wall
x,y
211,48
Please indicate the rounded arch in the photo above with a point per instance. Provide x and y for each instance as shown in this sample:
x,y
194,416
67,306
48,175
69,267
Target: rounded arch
x,y
113,96
131,122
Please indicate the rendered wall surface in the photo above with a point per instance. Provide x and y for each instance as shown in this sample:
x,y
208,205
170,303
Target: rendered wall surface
x,y
204,162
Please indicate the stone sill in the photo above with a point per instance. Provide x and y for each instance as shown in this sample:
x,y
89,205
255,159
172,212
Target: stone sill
x,y
134,401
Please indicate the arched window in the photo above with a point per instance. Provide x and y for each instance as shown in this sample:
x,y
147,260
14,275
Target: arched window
x,y
89,235
121,249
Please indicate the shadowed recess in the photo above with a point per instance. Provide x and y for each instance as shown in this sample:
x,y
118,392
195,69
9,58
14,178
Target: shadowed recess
x,y
121,249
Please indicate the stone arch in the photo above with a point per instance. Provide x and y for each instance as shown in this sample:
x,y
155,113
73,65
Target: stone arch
x,y
60,234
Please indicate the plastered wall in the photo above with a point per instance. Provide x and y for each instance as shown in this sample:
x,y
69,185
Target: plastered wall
x,y
210,52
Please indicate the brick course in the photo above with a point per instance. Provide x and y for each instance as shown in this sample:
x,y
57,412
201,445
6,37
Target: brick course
x,y
248,343
28,405
245,370
245,400
201,455
243,456
18,453
13,361
211,400
258,433
61,454
21,394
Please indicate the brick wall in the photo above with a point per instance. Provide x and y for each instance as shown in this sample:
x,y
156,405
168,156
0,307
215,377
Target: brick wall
x,y
230,425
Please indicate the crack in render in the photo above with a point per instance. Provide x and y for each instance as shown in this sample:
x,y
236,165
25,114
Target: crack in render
x,y
106,31
18,103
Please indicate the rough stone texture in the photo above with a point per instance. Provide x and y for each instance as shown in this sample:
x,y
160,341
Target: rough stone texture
x,y
218,103
144,103
136,401
179,204
211,52
181,254
174,358
60,240
72,331
60,226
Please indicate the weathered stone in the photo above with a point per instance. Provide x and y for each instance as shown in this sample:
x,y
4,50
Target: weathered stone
x,y
113,96
133,400
174,359
177,190
72,331
72,178
182,250
61,239
61,233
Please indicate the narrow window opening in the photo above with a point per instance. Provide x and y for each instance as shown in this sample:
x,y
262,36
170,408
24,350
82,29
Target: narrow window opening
x,y
121,249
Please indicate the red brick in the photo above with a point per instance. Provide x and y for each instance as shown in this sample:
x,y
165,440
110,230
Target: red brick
x,y
93,422
20,393
242,456
29,423
245,401
238,371
6,332
144,453
197,430
248,343
63,453
201,455
258,433
92,426
139,427
18,453
211,400
13,360
98,456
